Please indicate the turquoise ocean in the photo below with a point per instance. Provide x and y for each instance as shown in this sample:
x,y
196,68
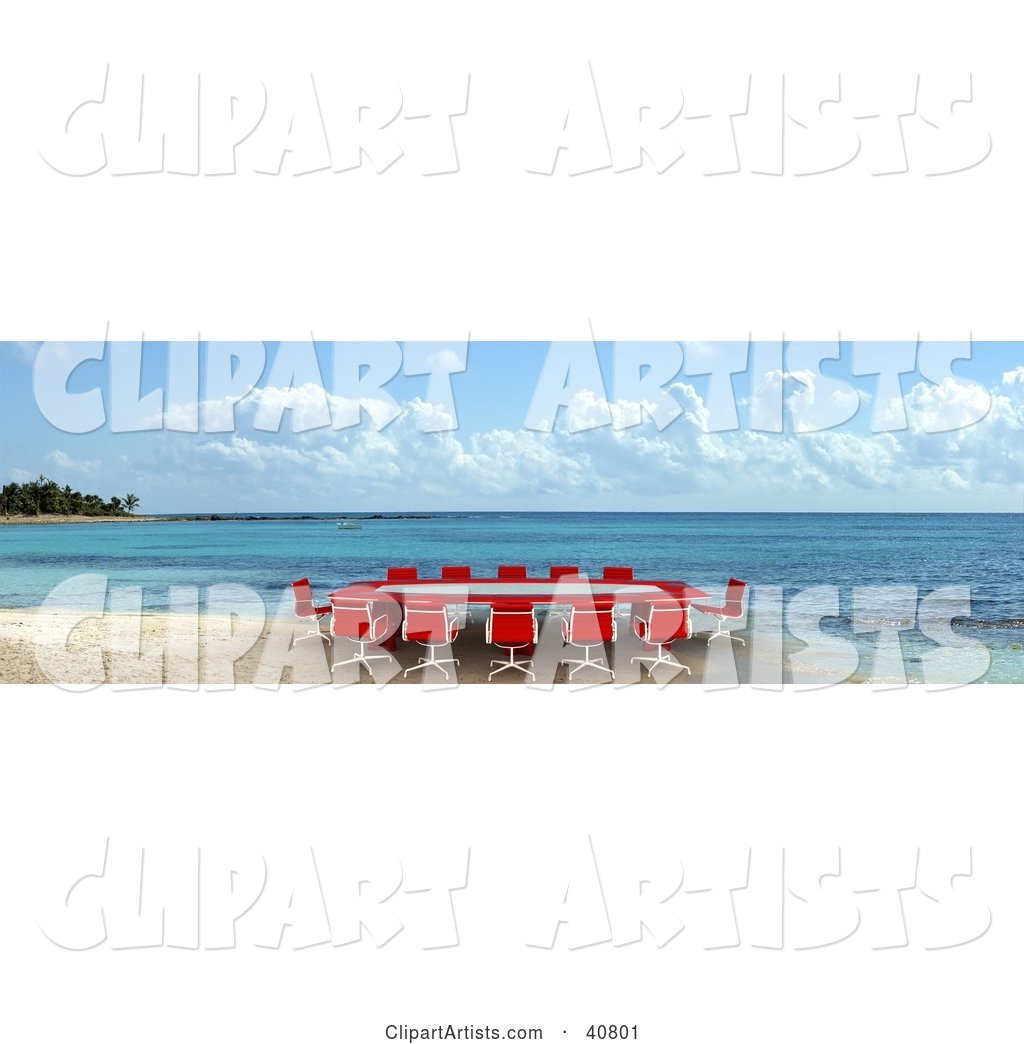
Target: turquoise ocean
x,y
792,551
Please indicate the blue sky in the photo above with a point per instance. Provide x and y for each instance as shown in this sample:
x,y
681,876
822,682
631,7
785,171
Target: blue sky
x,y
491,460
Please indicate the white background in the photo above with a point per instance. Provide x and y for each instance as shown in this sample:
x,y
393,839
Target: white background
x,y
500,253
493,250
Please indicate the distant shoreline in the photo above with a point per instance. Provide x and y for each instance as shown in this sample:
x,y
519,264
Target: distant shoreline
x,y
55,520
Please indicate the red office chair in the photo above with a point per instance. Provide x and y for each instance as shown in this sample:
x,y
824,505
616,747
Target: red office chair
x,y
459,573
512,627
731,609
402,573
307,609
429,625
561,610
660,625
354,619
557,572
619,573
586,629
511,572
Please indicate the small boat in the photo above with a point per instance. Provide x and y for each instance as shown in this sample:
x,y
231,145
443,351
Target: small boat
x,y
349,525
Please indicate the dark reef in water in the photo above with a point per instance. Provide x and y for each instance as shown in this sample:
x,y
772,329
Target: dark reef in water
x,y
387,518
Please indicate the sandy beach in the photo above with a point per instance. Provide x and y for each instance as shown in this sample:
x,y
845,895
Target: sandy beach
x,y
39,646
63,520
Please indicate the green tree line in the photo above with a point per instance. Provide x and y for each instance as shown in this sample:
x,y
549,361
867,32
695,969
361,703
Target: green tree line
x,y
43,496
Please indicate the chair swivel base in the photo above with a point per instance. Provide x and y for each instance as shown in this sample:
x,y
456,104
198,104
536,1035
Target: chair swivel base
x,y
519,665
364,660
720,633
650,662
429,661
312,634
588,662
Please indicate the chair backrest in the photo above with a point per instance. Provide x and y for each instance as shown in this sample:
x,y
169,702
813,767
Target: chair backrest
x,y
666,622
734,597
511,572
513,624
402,573
618,572
456,572
351,618
592,625
427,622
303,593
560,571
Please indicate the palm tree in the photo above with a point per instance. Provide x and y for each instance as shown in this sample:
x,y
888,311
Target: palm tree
x,y
33,494
131,502
10,494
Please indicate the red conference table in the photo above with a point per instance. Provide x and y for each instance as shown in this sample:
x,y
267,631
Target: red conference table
x,y
531,591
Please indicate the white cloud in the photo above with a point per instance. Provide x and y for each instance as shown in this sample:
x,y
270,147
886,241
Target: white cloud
x,y
951,405
613,464
240,450
446,360
62,460
312,408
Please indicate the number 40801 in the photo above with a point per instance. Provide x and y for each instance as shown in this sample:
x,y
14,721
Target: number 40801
x,y
612,1033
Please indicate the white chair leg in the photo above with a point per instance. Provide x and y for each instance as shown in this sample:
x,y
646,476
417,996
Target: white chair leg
x,y
720,633
424,664
318,633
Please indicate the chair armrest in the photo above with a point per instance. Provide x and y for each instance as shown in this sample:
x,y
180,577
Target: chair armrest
x,y
565,628
615,629
373,625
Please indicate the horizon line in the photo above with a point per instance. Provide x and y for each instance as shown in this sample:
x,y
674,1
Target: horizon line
x,y
571,511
